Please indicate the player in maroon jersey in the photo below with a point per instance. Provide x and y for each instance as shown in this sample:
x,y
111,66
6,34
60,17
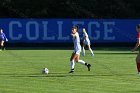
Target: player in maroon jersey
x,y
136,46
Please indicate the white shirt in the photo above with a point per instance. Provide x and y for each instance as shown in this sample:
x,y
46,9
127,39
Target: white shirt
x,y
76,41
85,35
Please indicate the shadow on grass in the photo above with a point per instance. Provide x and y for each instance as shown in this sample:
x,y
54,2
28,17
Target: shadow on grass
x,y
66,75
69,47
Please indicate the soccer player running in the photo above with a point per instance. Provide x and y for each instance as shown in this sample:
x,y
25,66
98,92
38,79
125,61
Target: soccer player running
x,y
86,41
2,39
136,46
77,49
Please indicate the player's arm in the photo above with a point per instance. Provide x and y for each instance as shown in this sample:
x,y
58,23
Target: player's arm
x,y
5,37
137,45
73,35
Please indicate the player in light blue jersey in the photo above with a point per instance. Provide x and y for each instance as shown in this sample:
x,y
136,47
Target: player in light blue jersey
x,y
3,39
77,49
86,41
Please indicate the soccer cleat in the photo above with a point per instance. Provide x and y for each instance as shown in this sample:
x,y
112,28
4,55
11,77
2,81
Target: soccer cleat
x,y
71,72
88,66
92,54
83,54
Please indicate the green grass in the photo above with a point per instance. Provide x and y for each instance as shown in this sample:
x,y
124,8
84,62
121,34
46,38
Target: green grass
x,y
112,72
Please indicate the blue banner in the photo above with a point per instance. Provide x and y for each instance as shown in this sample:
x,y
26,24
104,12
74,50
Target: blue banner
x,y
59,30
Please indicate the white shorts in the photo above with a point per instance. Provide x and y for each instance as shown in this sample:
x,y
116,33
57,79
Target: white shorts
x,y
86,42
77,52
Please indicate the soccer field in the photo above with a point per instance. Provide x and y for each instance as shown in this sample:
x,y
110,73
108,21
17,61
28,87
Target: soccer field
x,y
113,71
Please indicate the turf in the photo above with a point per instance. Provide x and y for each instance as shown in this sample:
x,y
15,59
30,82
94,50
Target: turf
x,y
113,71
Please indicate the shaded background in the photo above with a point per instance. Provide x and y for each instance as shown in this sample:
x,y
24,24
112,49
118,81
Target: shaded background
x,y
70,9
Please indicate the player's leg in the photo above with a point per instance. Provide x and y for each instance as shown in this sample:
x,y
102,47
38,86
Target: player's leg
x,y
72,63
83,49
92,54
138,62
2,45
77,59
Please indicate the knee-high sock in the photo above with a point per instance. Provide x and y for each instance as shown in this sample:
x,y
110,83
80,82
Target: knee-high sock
x,y
91,50
82,62
72,64
83,50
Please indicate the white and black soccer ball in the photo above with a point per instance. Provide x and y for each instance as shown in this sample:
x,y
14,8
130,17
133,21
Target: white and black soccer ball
x,y
45,71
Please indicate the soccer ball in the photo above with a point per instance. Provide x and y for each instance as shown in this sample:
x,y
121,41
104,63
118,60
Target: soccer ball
x,y
45,71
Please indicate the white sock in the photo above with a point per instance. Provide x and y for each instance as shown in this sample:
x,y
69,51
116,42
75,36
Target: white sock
x,y
91,51
72,64
81,62
83,51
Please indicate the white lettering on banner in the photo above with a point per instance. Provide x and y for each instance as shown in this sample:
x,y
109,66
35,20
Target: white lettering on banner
x,y
108,31
29,31
102,30
45,29
11,30
90,30
60,37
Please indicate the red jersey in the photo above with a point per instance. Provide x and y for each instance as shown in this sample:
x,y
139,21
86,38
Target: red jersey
x,y
138,35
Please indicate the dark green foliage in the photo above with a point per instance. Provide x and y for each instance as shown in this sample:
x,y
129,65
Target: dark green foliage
x,y
70,8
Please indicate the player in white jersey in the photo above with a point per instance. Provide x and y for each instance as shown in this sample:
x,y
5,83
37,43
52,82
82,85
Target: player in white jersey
x,y
86,41
77,49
